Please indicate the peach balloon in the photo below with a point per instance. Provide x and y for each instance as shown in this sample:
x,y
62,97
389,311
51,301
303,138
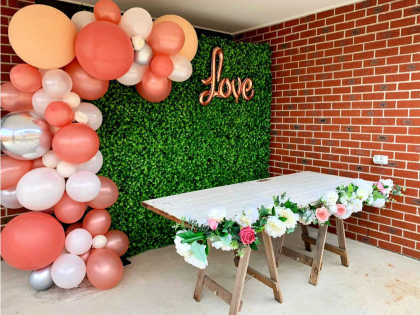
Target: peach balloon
x,y
117,241
75,143
12,170
107,10
161,65
42,36
86,86
58,114
153,88
97,221
26,78
78,225
68,210
104,268
108,194
166,38
189,49
13,100
104,50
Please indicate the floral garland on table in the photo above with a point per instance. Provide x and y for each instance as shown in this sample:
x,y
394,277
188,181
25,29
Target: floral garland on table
x,y
192,239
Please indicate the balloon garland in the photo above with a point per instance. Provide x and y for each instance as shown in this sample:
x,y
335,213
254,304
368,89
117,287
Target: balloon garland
x,y
51,150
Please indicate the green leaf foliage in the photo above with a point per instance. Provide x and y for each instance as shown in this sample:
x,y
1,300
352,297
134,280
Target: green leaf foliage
x,y
178,145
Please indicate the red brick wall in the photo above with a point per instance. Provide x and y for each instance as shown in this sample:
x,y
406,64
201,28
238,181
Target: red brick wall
x,y
346,86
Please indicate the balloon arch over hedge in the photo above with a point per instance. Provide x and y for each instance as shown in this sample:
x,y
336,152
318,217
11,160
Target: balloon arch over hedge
x,y
49,140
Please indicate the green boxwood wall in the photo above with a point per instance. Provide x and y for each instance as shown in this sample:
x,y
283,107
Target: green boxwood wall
x,y
154,150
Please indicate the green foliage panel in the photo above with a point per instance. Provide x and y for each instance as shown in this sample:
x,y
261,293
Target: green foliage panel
x,y
155,150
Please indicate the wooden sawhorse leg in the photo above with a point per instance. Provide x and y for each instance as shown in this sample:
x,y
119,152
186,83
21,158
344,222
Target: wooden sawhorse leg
x,y
319,253
305,236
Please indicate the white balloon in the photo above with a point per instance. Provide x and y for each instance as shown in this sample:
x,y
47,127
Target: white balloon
x,y
143,56
56,83
99,241
82,18
68,271
83,186
40,189
93,165
66,169
89,114
138,42
182,68
50,159
136,21
40,101
78,241
133,75
72,99
8,198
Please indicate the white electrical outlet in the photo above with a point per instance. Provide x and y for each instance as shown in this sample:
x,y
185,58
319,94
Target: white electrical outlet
x,y
380,159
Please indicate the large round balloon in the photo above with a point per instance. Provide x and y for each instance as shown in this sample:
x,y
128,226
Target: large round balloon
x,y
103,50
25,78
104,269
97,221
56,83
136,22
166,38
117,241
189,49
75,143
32,241
108,194
24,135
68,210
12,170
86,86
107,10
13,100
42,36
40,189
68,271
83,186
78,241
153,88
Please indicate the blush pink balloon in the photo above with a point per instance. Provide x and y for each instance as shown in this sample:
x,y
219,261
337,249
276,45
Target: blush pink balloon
x,y
26,78
107,196
117,241
161,65
153,88
13,100
97,222
68,210
104,269
166,38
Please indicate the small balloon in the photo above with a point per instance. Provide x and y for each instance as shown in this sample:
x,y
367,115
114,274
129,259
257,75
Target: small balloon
x,y
107,10
41,100
153,88
182,69
144,55
41,280
93,165
68,271
78,241
82,18
66,169
58,114
68,210
166,38
104,269
24,136
136,22
133,75
50,160
12,170
117,241
108,194
83,186
71,99
161,65
99,241
13,100
56,83
8,198
89,114
97,221
25,78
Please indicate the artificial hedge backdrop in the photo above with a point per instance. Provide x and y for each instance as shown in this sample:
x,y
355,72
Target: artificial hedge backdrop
x,y
155,150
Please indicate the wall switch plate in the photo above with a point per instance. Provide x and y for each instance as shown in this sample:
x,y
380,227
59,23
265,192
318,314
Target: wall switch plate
x,y
380,159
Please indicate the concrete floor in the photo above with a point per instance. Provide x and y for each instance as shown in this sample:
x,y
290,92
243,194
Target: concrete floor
x,y
378,282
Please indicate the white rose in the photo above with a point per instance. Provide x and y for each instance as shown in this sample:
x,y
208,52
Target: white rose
x,y
217,213
247,217
378,203
330,198
275,227
289,215
356,205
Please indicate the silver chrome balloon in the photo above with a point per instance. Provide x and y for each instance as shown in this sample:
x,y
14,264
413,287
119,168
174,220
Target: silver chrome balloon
x,y
143,56
41,279
24,135
8,198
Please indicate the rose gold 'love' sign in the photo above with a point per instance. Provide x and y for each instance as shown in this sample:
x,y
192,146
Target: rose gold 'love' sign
x,y
225,86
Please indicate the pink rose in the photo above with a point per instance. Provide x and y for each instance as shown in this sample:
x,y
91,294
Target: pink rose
x,y
212,224
381,188
341,210
322,214
247,235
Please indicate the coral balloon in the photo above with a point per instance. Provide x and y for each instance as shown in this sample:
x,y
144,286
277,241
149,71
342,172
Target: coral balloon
x,y
37,163
82,18
13,100
86,86
166,38
108,194
68,210
25,78
75,143
161,65
40,189
32,241
12,170
117,241
107,10
189,49
137,22
104,269
97,222
42,36
104,51
153,88
58,114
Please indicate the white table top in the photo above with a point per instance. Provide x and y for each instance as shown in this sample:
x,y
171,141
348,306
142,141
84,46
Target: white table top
x,y
303,188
